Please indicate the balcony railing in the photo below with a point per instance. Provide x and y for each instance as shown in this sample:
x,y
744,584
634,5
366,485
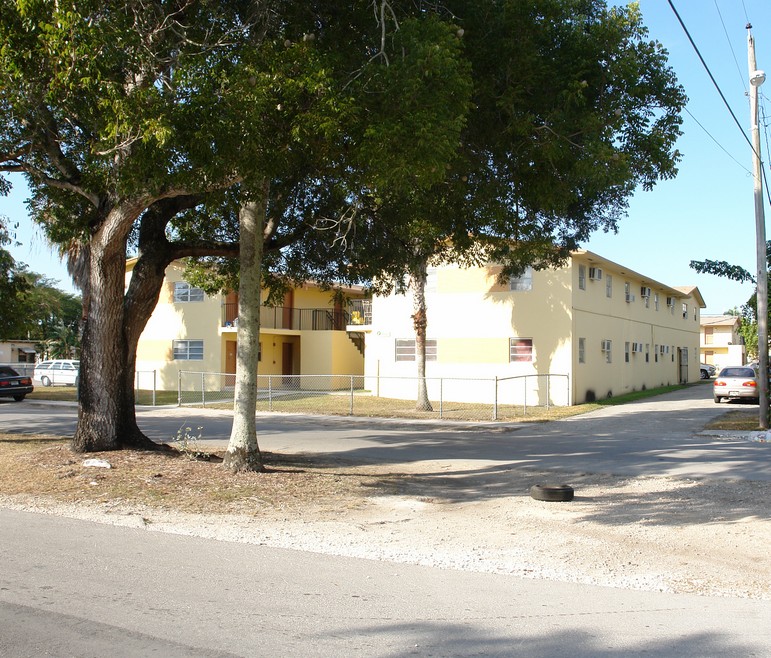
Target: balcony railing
x,y
361,311
299,319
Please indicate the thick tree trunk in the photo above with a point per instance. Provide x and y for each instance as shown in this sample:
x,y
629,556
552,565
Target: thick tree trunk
x,y
243,453
420,322
103,358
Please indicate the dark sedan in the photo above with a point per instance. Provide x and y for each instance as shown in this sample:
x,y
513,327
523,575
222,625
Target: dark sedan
x,y
13,385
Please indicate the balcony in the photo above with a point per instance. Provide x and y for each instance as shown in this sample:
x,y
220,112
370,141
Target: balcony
x,y
360,312
297,319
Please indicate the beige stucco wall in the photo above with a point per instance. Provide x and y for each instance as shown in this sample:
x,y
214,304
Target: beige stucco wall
x,y
472,318
201,321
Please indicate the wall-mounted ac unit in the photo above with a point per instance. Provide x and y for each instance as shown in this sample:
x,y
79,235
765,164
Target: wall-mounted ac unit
x,y
645,292
629,298
606,346
595,273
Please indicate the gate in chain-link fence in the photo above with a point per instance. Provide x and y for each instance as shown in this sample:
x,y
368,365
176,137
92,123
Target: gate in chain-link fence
x,y
362,395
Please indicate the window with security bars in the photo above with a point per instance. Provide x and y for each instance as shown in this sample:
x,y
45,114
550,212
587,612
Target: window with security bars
x,y
184,292
520,349
187,350
405,349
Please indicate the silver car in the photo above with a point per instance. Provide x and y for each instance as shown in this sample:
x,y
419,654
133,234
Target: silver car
x,y
736,383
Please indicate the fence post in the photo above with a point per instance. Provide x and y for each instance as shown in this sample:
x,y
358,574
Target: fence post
x,y
351,414
179,388
155,385
203,392
524,398
548,391
441,398
270,392
495,398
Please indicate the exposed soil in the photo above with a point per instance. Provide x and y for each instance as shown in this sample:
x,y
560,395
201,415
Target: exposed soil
x,y
708,537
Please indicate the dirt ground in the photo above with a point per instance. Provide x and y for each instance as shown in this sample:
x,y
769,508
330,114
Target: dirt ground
x,y
708,537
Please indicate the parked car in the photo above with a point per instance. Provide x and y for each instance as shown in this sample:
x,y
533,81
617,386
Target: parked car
x,y
57,371
736,383
14,385
707,370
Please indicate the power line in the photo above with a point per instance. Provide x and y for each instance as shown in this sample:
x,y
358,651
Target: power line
x,y
728,39
711,77
712,137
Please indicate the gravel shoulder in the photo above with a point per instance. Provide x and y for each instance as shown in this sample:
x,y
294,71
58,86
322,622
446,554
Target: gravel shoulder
x,y
701,536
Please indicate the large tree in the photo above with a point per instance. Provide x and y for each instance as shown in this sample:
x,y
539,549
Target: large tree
x,y
573,109
125,115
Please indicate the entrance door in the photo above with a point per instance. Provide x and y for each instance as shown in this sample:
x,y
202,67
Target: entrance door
x,y
287,364
682,365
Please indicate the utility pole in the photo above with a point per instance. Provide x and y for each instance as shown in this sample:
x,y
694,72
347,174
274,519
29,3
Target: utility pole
x,y
757,78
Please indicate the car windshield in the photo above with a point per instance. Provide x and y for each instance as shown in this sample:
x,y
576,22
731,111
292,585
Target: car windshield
x,y
737,372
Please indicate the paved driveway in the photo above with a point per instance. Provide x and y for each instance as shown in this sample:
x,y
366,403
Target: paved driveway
x,y
657,436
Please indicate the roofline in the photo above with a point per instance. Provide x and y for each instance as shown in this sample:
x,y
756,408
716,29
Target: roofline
x,y
671,291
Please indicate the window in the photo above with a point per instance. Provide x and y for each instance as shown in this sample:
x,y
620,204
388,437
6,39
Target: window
x,y
187,350
626,351
184,292
609,285
405,349
647,353
522,282
708,335
582,350
607,347
656,301
520,349
582,277
685,311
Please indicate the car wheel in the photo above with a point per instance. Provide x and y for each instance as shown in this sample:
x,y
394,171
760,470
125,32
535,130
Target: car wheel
x,y
704,374
19,398
556,493
717,400
45,381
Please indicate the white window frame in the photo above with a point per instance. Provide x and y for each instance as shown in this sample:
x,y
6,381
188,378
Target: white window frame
x,y
521,350
582,350
187,350
184,292
523,282
582,277
609,285
607,349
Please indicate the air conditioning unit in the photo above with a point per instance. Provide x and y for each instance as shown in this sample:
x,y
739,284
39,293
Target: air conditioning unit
x,y
637,347
606,346
645,292
629,298
670,301
595,273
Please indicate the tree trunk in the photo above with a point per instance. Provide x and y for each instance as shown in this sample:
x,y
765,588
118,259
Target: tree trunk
x,y
243,453
420,322
104,352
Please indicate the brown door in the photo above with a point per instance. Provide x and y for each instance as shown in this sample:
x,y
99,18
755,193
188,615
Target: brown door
x,y
230,363
287,358
231,309
288,305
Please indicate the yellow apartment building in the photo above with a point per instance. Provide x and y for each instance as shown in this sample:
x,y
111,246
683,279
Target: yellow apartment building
x,y
599,329
721,344
190,331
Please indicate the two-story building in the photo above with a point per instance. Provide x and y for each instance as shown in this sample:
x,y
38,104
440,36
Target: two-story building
x,y
603,328
720,344
191,331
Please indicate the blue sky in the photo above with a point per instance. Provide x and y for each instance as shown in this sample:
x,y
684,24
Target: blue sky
x,y
706,212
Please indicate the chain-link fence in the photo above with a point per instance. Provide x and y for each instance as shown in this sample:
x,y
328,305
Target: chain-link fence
x,y
24,369
361,395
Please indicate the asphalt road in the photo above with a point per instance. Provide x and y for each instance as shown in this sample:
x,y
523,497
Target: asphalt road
x,y
74,588
657,436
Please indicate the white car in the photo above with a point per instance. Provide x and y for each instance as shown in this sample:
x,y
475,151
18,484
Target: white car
x,y
57,371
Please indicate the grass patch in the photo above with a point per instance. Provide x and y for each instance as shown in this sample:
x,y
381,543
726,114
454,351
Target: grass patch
x,y
639,395
738,420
